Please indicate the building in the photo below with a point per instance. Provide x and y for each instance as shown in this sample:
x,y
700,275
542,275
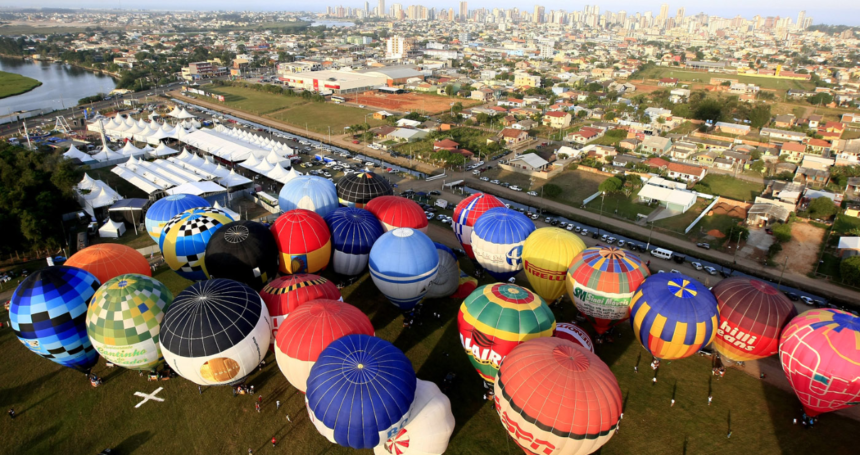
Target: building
x,y
523,80
530,162
686,172
556,119
513,136
792,151
673,199
733,128
397,47
783,135
202,70
298,67
337,82
668,82
656,144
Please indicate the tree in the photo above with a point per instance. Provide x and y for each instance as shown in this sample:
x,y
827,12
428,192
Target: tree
x,y
822,208
449,90
709,110
610,185
781,232
757,166
552,190
821,98
732,232
849,268
760,116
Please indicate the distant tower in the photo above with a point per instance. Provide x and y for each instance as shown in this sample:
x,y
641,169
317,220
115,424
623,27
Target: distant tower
x,y
680,15
800,17
464,11
381,8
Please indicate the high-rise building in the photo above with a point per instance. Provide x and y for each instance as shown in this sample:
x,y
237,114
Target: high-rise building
x,y
680,14
381,7
664,11
537,18
800,18
464,11
397,47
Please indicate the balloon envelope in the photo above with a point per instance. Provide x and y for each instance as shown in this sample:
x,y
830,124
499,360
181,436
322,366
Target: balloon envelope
x,y
309,329
356,190
108,260
398,212
547,255
403,262
285,294
244,251
497,241
360,391
353,233
820,355
466,213
673,315
48,312
164,209
303,240
428,430
124,320
601,282
556,397
496,318
752,315
184,238
572,332
308,192
215,332
447,279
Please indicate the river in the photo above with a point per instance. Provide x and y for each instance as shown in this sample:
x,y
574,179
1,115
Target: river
x,y
62,85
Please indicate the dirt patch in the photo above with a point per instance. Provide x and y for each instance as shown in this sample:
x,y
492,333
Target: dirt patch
x,y
802,250
716,234
406,102
730,210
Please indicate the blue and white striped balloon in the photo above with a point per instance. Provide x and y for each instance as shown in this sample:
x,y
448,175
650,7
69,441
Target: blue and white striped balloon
x,y
497,240
353,233
403,262
310,193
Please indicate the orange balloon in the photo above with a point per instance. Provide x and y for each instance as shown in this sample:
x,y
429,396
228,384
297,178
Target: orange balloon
x,y
109,260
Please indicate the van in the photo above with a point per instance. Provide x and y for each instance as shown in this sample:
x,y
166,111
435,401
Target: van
x,y
679,258
661,253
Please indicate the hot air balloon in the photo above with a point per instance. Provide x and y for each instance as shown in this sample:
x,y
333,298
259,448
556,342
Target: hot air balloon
x,y
555,397
308,192
398,212
820,354
353,232
123,320
467,285
108,260
356,190
496,318
447,279
572,332
673,315
244,251
467,212
547,255
308,330
752,314
428,430
497,241
48,312
303,240
215,332
163,210
403,262
601,281
360,391
184,238
285,294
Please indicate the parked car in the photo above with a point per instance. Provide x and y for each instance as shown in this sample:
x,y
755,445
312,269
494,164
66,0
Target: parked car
x,y
485,179
515,188
706,246
435,193
792,296
807,300
583,232
696,265
603,237
532,193
577,229
710,270
535,216
494,182
553,222
569,227
429,215
440,217
611,240
505,184
621,243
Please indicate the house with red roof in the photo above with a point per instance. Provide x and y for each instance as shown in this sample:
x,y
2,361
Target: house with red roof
x,y
668,82
445,144
556,119
686,172
513,136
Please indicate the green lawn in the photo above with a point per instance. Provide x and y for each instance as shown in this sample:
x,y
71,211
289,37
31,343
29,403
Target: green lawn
x,y
730,187
255,102
619,205
682,75
14,84
844,224
680,222
576,185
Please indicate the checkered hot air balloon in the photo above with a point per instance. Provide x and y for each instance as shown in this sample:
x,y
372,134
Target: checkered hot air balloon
x,y
184,238
283,295
673,315
303,240
466,214
124,320
164,209
497,241
496,318
601,281
48,312
820,355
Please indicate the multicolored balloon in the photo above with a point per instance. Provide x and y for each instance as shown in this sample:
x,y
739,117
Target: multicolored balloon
x,y
124,321
403,263
308,192
572,332
285,294
108,260
497,241
48,312
555,397
673,315
466,213
547,255
356,190
353,233
496,318
820,354
309,329
183,240
428,430
244,251
360,391
398,212
447,279
164,209
752,315
601,282
303,240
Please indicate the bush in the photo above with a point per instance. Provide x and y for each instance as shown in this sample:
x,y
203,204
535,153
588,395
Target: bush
x,y
822,208
782,232
850,269
774,250
551,190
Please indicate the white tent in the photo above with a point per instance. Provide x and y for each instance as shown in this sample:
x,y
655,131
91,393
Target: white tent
x,y
112,229
88,183
101,196
145,184
73,152
175,112
292,174
234,215
163,150
130,150
106,154
183,114
278,173
197,188
233,179
251,163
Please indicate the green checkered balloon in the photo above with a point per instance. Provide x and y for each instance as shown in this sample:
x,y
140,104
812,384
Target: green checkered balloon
x,y
124,318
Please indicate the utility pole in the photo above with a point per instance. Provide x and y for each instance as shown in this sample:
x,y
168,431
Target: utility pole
x,y
821,255
649,236
784,264
600,217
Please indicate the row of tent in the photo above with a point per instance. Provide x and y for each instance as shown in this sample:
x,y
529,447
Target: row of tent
x,y
93,194
142,131
235,145
174,172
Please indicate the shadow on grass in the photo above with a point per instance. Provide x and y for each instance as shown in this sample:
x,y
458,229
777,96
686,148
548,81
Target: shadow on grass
x,y
133,442
19,394
33,445
35,405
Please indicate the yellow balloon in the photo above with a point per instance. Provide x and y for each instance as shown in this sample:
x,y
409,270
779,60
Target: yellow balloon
x,y
547,254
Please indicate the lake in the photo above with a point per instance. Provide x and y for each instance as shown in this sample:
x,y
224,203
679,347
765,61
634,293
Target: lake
x,y
61,85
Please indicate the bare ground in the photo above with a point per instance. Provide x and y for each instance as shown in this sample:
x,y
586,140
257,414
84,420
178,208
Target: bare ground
x,y
802,250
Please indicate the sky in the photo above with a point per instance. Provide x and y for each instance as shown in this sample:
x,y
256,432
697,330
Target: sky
x,y
823,11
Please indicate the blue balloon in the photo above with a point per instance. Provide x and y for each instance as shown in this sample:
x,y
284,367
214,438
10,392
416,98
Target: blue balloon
x,y
48,313
166,208
497,241
353,233
310,193
360,391
403,262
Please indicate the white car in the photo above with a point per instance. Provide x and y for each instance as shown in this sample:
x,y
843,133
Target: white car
x,y
485,179
515,188
532,193
806,300
583,232
696,265
368,163
535,216
710,270
569,227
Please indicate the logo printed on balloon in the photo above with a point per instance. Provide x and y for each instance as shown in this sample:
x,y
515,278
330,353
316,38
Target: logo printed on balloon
x,y
515,256
524,438
220,369
738,338
481,349
552,275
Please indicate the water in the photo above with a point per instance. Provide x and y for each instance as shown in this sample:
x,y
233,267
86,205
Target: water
x,y
62,85
329,24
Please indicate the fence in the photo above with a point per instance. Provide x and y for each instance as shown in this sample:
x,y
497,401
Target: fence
x,y
703,214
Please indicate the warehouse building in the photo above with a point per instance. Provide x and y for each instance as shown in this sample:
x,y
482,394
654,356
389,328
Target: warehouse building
x,y
334,82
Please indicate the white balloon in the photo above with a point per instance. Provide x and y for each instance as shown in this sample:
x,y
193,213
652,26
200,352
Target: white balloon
x,y
428,430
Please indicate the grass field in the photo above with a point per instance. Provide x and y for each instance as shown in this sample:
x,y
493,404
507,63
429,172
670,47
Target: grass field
x,y
680,222
704,78
730,187
19,29
256,102
59,412
576,185
619,205
12,84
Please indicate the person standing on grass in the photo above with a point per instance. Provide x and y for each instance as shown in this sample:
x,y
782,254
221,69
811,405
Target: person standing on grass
x,y
260,399
729,434
635,368
274,441
673,403
12,412
288,419
257,405
710,398
277,405
654,380
199,390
